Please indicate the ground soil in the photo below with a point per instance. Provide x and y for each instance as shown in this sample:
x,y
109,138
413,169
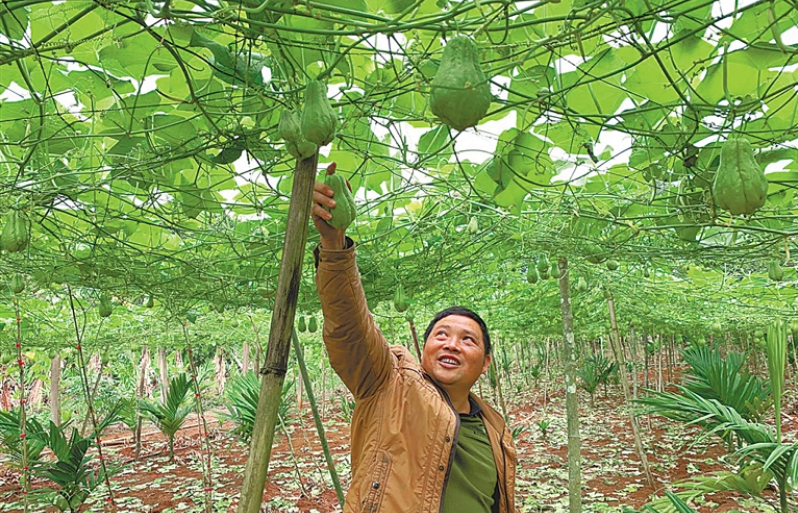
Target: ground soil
x,y
298,479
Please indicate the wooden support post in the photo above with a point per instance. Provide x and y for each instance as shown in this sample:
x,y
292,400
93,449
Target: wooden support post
x,y
571,397
615,341
275,366
163,375
55,390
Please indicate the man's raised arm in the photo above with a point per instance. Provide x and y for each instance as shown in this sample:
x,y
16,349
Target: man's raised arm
x,y
358,351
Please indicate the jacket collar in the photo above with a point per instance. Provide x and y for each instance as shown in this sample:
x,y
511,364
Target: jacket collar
x,y
484,409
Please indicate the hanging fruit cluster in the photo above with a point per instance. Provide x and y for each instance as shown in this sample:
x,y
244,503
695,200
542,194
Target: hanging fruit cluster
x,y
15,235
740,184
106,308
543,267
17,283
775,272
460,93
344,211
316,127
400,300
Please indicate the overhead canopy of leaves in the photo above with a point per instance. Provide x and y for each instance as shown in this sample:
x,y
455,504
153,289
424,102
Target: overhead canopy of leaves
x,y
140,140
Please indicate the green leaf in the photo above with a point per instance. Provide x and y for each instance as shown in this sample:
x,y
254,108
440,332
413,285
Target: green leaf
x,y
434,146
135,57
596,84
14,22
648,80
741,80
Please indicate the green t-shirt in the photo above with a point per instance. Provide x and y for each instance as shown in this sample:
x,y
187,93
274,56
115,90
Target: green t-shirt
x,y
473,479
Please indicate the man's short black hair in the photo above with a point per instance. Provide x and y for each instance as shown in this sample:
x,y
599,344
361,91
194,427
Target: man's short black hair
x,y
465,312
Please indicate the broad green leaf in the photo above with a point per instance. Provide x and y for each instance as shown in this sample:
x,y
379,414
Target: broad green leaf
x,y
435,146
648,80
14,22
741,80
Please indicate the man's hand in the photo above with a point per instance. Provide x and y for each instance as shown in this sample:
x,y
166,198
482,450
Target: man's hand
x,y
323,196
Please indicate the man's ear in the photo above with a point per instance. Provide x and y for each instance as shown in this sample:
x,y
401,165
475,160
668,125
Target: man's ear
x,y
486,364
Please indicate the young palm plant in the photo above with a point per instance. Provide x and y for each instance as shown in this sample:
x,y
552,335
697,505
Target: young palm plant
x,y
759,451
242,402
170,417
11,442
727,380
677,504
72,470
596,371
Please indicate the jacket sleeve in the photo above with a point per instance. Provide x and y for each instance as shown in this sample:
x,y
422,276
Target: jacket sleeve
x,y
358,351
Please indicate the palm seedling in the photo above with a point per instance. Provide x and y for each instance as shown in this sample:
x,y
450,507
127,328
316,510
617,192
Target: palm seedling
x,y
727,380
596,371
242,393
544,425
170,417
11,441
72,470
760,449
677,504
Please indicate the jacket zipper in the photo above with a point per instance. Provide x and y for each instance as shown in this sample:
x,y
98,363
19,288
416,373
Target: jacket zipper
x,y
454,442
506,473
504,463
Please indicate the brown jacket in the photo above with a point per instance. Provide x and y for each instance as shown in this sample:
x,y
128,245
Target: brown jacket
x,y
404,427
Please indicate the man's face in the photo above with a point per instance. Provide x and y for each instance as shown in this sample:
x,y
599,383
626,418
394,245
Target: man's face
x,y
454,354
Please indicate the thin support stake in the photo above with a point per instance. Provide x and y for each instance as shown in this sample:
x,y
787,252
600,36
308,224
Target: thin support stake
x,y
84,375
276,364
22,412
207,476
300,358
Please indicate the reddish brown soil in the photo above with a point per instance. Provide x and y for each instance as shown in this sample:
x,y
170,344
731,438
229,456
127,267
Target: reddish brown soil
x,y
607,445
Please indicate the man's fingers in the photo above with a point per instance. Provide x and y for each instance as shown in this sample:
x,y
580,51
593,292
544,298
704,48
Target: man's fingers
x,y
321,188
319,212
323,200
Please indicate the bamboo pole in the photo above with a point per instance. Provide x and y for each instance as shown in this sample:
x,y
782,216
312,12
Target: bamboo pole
x,y
633,349
547,367
55,390
659,363
615,342
571,397
275,366
498,389
163,375
245,358
646,384
323,381
415,338
145,361
303,370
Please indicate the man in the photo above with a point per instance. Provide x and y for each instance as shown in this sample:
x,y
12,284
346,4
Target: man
x,y
420,441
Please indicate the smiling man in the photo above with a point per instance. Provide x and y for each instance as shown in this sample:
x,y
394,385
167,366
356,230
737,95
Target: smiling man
x,y
421,441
